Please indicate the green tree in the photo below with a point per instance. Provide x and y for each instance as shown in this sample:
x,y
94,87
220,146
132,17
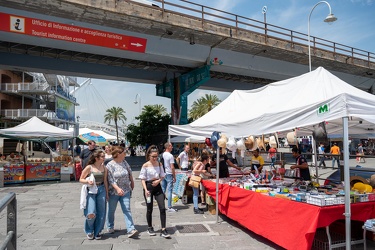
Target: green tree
x,y
161,109
202,106
152,126
116,114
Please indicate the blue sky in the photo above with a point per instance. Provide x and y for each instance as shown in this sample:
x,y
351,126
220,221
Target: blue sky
x,y
354,28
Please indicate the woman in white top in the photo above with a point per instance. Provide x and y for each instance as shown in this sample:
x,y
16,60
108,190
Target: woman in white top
x,y
107,151
151,175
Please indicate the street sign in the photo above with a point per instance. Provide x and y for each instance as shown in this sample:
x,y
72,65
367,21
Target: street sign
x,y
264,9
165,89
192,80
70,33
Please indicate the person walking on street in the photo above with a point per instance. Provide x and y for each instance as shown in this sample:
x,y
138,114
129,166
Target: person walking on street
x,y
321,155
183,158
107,151
97,194
361,153
170,175
86,153
335,151
152,175
121,185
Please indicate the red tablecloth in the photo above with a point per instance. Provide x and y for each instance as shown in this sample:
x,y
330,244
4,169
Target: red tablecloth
x,y
289,224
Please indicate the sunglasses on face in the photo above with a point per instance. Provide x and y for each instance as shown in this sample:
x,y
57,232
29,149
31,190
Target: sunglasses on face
x,y
154,156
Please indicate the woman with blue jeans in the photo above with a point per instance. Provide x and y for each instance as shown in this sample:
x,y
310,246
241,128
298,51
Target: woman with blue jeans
x,y
199,169
95,200
121,185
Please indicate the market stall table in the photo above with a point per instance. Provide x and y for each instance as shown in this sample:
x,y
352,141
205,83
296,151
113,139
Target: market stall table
x,y
290,224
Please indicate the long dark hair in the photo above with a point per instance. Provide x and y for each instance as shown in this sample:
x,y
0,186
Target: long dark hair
x,y
151,149
96,154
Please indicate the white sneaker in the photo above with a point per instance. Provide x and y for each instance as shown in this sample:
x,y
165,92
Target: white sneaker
x,y
110,230
171,210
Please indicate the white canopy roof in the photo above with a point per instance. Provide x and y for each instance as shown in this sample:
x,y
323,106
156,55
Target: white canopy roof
x,y
35,129
287,104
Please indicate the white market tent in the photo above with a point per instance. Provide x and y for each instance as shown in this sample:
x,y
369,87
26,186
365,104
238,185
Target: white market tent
x,y
35,129
284,105
289,104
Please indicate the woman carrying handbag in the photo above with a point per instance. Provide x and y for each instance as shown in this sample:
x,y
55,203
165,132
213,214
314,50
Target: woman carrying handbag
x,y
151,175
198,169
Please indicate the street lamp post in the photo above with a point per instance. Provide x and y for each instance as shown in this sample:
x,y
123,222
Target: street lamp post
x,y
329,19
138,100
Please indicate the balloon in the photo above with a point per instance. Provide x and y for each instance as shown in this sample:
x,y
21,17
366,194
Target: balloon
x,y
214,138
208,142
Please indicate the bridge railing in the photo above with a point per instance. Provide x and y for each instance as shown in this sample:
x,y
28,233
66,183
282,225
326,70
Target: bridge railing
x,y
10,202
237,23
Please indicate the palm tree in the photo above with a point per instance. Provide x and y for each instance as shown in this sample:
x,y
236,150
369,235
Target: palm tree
x,y
116,114
203,105
160,109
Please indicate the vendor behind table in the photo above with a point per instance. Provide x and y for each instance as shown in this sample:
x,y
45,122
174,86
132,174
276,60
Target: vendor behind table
x,y
224,162
257,162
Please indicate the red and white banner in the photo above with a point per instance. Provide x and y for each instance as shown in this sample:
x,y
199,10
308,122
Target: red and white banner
x,y
70,33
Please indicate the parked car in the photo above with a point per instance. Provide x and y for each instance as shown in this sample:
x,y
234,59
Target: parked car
x,y
357,174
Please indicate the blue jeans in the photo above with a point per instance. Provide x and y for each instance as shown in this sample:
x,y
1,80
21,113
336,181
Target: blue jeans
x,y
125,207
95,205
195,197
167,186
333,161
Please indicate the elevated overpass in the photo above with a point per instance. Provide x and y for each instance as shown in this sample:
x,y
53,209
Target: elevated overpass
x,y
166,41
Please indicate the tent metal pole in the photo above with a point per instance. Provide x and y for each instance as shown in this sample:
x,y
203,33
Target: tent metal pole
x,y
346,182
315,159
217,183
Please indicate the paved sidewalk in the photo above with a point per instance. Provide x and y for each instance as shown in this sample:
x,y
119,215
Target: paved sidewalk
x,y
49,218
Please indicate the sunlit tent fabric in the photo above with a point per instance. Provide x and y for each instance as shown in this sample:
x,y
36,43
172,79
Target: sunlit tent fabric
x,y
35,129
300,101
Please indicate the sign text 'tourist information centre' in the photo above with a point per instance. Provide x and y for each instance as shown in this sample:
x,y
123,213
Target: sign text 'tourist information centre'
x,y
70,33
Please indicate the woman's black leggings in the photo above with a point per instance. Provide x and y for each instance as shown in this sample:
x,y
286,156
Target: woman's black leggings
x,y
156,192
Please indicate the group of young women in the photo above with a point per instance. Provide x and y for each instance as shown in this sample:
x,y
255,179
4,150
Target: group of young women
x,y
107,185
